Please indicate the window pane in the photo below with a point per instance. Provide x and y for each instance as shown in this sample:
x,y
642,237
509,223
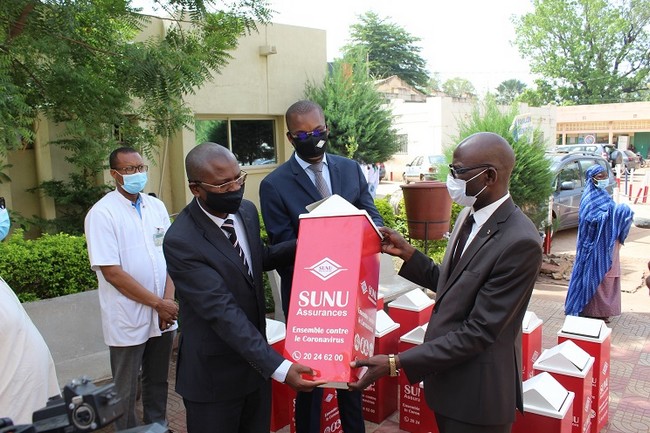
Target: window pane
x,y
215,131
253,141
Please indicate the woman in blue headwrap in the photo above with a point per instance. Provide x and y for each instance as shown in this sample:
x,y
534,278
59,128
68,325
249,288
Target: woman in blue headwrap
x,y
595,285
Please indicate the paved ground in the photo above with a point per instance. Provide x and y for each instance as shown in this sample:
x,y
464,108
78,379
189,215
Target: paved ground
x,y
629,405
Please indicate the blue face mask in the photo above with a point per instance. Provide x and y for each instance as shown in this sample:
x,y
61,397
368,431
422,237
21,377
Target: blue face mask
x,y
601,183
5,223
134,183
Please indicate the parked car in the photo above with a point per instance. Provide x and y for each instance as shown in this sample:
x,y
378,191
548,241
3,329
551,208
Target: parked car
x,y
423,168
569,184
382,170
627,158
604,150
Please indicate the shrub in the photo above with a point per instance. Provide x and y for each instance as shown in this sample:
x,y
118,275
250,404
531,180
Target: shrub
x,y
50,266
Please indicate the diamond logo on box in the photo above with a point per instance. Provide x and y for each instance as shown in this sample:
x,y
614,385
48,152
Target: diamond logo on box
x,y
326,269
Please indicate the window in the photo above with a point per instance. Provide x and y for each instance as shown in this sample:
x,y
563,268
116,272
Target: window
x,y
403,140
252,141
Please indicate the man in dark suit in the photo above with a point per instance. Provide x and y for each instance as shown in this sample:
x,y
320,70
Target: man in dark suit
x,y
308,176
224,361
471,356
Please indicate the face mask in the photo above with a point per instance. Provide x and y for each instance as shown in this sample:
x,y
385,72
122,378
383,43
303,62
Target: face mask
x,y
5,223
458,190
227,202
311,147
601,183
134,183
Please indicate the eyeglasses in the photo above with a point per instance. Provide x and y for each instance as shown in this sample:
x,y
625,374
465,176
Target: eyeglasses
x,y
131,169
304,135
456,171
225,187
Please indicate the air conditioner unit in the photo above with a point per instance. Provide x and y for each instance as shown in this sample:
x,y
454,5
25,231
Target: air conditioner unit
x,y
267,50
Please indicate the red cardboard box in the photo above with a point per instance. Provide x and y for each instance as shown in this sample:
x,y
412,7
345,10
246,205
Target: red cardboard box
x,y
414,414
531,343
595,338
380,399
573,368
411,310
282,395
548,407
333,301
330,419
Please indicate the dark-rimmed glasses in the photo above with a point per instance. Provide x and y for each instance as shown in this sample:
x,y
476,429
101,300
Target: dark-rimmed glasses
x,y
132,169
224,187
301,135
456,171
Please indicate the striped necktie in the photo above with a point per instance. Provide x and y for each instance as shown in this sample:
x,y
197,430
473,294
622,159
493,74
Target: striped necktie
x,y
229,227
321,185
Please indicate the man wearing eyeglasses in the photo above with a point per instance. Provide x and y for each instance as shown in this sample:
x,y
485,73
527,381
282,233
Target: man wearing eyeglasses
x,y
124,233
312,174
470,359
216,259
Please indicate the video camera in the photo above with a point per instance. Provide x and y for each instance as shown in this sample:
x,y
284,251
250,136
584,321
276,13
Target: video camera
x,y
84,407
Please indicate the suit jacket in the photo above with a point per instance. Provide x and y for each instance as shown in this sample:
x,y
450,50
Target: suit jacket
x,y
223,352
471,356
286,191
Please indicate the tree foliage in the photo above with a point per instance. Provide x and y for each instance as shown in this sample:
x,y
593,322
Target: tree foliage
x,y
458,88
390,50
359,121
588,51
79,62
530,182
509,90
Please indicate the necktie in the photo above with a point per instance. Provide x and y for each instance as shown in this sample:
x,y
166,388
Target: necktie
x,y
229,227
463,235
321,185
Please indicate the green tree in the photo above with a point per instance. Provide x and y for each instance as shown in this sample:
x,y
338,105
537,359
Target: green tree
x,y
359,121
458,88
78,62
390,50
588,51
530,183
509,90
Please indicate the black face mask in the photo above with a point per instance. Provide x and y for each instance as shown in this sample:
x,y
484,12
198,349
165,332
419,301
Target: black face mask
x,y
309,147
227,202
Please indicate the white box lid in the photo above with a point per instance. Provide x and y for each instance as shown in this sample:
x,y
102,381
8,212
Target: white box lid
x,y
530,322
415,335
544,395
565,358
334,206
275,331
384,324
414,300
585,328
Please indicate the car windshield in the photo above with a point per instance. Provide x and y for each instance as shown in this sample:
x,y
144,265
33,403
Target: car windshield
x,y
436,159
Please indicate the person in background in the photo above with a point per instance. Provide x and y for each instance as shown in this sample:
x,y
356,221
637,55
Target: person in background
x,y
595,284
310,175
216,259
27,377
124,232
470,359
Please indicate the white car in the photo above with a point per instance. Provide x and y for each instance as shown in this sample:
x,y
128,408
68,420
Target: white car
x,y
423,168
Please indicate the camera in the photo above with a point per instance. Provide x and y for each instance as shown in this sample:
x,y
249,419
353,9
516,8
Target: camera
x,y
84,407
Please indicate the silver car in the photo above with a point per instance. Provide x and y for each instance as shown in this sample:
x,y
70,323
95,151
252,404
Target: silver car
x,y
423,168
569,183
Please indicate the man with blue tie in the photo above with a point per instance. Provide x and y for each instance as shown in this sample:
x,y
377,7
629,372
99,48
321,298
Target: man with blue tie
x,y
310,175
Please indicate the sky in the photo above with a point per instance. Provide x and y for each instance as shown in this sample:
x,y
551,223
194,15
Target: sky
x,y
470,39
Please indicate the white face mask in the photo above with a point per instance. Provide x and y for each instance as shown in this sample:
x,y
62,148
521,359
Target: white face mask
x,y
458,190
602,183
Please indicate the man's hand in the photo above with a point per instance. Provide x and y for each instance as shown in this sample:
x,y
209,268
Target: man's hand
x,y
295,380
167,310
163,325
394,244
377,368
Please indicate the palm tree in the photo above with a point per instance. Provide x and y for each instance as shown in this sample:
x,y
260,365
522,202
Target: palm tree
x,y
509,90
